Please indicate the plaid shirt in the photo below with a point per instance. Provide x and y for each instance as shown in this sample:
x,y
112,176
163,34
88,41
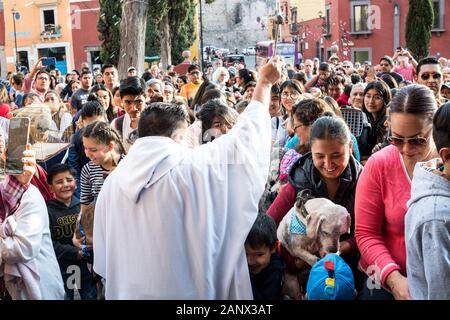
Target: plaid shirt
x,y
11,191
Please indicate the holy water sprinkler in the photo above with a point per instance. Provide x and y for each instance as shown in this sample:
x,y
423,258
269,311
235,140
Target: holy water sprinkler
x,y
278,21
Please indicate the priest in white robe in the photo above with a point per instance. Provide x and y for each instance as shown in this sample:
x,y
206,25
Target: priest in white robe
x,y
171,222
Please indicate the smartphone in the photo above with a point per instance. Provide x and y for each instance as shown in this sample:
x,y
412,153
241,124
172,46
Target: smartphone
x,y
19,133
51,61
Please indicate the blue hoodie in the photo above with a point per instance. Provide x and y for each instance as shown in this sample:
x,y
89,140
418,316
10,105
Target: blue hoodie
x,y
427,236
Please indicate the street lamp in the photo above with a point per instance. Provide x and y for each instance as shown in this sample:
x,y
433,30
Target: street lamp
x,y
201,36
16,15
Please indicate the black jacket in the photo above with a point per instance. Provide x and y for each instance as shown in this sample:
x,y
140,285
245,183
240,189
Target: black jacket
x,y
267,284
62,221
303,175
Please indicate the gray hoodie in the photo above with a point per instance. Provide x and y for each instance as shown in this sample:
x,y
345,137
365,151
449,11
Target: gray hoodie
x,y
427,236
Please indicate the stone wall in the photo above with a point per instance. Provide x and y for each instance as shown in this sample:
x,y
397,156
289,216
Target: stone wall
x,y
236,23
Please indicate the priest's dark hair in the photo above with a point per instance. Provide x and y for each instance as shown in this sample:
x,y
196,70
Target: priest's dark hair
x,y
161,119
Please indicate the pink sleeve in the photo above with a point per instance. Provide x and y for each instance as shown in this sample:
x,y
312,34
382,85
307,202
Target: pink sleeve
x,y
11,192
27,83
369,220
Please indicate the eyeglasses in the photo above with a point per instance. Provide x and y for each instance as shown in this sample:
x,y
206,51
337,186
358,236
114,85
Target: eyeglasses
x,y
298,126
346,67
42,78
414,141
292,95
426,76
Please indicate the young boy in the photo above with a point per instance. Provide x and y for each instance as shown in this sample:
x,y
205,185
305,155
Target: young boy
x,y
63,213
427,223
265,265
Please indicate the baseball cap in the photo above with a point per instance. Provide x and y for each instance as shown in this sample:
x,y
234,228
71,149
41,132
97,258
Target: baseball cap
x,y
445,85
131,69
331,279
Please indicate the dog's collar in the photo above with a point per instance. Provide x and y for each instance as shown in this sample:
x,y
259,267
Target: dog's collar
x,y
297,226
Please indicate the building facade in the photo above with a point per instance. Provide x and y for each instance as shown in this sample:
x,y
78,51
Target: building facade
x,y
366,30
43,29
86,45
236,23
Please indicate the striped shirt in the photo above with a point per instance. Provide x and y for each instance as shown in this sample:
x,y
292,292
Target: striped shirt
x,y
92,179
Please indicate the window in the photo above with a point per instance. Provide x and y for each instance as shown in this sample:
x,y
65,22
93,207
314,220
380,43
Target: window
x,y
328,20
360,16
49,19
438,8
361,54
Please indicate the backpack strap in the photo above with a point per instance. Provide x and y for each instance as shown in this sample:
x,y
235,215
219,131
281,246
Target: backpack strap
x,y
118,125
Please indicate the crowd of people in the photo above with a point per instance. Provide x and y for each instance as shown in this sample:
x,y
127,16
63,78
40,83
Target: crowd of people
x,y
174,185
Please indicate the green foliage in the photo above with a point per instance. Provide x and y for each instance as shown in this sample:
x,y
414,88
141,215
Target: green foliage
x,y
181,21
108,27
419,23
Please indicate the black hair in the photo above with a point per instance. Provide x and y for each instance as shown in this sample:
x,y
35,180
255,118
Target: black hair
x,y
215,108
41,72
424,61
193,67
29,95
110,111
330,128
356,78
300,77
183,78
323,66
384,91
133,86
388,60
106,66
415,99
92,108
263,232
246,76
161,119
335,80
85,71
104,134
250,84
348,89
18,78
147,76
441,127
293,84
59,168
390,81
275,88
213,94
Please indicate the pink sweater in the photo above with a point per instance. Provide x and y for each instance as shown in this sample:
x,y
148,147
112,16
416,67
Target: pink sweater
x,y
380,207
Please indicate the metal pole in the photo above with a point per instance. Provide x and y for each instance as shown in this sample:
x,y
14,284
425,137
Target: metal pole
x,y
201,36
15,39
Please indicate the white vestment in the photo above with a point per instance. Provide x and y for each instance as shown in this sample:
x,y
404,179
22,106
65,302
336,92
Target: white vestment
x,y
31,247
171,222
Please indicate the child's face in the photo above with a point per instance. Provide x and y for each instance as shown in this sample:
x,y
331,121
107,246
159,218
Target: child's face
x,y
258,258
63,186
97,152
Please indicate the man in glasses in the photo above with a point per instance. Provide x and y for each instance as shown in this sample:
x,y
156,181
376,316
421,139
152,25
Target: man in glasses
x,y
387,66
188,91
38,81
429,73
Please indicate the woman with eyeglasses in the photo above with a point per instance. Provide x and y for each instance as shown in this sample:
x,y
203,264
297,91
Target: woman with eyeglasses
x,y
377,96
290,94
384,189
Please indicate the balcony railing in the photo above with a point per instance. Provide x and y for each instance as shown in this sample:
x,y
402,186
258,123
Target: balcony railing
x,y
51,31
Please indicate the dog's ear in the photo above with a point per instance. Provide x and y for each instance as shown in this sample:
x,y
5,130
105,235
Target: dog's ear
x,y
314,221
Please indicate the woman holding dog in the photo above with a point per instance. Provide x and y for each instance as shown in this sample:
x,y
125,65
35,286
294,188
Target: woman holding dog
x,y
384,189
328,171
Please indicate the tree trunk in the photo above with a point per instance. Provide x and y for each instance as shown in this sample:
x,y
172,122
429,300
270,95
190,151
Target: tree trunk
x,y
132,36
166,44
